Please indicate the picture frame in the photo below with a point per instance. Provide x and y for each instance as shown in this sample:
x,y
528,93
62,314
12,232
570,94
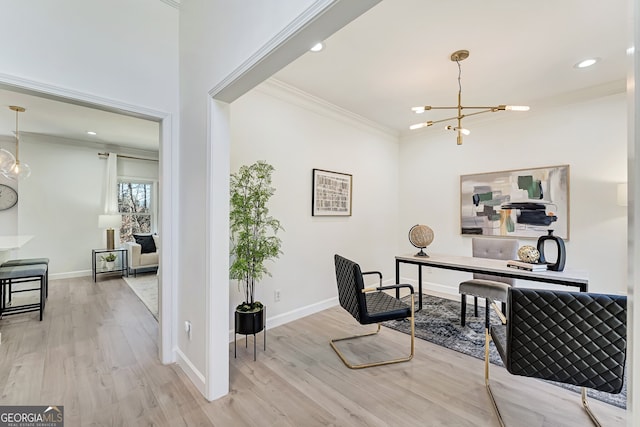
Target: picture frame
x,y
518,203
331,193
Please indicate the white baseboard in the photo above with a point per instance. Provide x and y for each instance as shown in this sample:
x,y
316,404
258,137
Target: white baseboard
x,y
296,314
196,377
70,274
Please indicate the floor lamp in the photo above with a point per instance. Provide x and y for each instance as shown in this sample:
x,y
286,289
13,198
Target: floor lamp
x,y
109,221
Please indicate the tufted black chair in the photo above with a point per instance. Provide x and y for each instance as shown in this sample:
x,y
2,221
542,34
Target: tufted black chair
x,y
567,337
369,305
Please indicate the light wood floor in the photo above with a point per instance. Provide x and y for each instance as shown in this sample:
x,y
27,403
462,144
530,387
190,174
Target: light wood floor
x,y
96,354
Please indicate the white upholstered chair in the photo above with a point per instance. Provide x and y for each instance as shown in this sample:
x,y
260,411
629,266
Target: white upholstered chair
x,y
491,288
139,254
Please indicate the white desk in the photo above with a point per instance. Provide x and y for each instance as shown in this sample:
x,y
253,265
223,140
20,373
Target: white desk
x,y
576,278
10,243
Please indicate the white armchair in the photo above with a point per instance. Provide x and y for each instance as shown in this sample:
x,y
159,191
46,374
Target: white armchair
x,y
142,260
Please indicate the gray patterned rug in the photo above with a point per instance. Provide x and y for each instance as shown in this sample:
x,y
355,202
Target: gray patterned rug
x,y
439,323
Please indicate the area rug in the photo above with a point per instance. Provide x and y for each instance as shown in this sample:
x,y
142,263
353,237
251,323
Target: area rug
x,y
439,322
145,286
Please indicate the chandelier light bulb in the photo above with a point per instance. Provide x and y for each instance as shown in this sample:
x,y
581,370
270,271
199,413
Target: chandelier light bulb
x,y
421,125
418,110
517,108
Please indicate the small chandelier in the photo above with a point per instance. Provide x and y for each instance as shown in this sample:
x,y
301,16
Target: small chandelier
x,y
458,56
13,168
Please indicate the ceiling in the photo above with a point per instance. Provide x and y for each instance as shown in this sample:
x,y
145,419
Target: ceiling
x,y
397,55
71,122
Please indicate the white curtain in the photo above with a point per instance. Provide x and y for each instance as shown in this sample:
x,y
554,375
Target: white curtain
x,y
111,185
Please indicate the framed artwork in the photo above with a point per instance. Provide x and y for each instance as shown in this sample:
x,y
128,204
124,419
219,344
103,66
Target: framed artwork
x,y
522,203
331,193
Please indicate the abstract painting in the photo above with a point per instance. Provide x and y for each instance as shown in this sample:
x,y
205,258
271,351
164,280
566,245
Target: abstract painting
x,y
331,193
523,203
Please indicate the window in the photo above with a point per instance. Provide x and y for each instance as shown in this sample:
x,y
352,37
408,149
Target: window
x,y
135,204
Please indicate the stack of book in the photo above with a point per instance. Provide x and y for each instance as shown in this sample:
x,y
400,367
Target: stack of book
x,y
526,265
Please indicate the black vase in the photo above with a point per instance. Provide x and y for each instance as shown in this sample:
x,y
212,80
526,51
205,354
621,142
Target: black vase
x,y
248,323
562,253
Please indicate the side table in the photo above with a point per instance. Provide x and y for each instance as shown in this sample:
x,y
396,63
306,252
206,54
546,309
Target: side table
x,y
118,266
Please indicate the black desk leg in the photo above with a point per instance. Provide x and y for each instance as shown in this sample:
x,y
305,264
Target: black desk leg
x,y
419,287
397,278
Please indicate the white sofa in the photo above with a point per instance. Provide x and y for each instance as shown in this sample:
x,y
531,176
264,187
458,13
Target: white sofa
x,y
138,260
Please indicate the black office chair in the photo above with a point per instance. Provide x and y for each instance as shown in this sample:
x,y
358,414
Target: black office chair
x,y
568,337
369,305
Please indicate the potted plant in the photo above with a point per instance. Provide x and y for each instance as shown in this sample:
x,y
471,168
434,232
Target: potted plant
x,y
110,260
253,239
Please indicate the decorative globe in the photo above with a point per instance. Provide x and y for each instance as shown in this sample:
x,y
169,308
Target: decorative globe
x,y
421,236
528,254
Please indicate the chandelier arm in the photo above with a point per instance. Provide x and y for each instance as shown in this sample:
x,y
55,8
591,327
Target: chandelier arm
x,y
433,122
490,110
496,108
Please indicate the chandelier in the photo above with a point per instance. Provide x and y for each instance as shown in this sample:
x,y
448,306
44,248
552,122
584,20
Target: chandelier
x,y
10,166
456,57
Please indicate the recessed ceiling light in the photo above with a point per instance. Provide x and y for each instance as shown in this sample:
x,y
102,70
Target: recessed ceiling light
x,y
90,132
317,47
586,63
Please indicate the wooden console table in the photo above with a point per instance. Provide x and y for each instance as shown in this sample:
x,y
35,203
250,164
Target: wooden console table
x,y
576,278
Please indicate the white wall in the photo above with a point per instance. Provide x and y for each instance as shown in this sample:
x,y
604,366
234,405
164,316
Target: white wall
x,y
589,136
60,202
265,125
206,59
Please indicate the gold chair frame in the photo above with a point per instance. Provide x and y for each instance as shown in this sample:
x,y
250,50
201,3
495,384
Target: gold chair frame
x,y
380,363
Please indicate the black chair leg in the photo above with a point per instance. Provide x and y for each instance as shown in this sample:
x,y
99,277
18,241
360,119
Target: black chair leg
x,y
504,308
475,306
42,296
463,312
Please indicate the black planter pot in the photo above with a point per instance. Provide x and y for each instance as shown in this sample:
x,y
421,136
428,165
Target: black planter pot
x,y
248,323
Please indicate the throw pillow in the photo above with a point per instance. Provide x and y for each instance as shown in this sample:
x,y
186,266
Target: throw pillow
x,y
146,242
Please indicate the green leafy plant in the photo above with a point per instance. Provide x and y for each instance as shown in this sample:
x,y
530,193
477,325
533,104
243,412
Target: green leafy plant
x,y
253,230
109,258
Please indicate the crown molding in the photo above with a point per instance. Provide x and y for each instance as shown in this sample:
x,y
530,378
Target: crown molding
x,y
43,138
293,95
43,90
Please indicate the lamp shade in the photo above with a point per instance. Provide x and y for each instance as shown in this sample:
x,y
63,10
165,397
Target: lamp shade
x,y
109,221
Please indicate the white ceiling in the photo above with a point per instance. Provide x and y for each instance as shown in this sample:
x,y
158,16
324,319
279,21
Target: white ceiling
x,y
71,122
397,56
522,52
